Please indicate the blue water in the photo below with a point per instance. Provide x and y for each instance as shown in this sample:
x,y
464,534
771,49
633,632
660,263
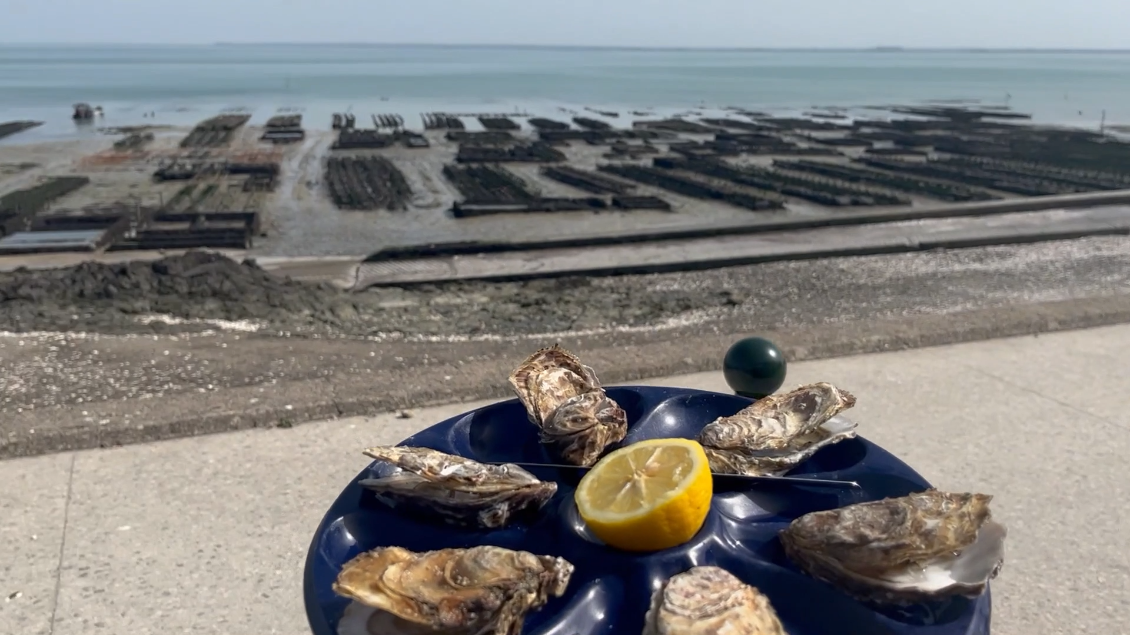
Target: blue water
x,y
183,84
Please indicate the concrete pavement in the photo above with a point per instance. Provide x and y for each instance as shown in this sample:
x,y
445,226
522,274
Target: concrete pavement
x,y
742,249
208,534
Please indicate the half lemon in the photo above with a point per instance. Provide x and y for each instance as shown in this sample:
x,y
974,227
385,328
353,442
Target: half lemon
x,y
647,496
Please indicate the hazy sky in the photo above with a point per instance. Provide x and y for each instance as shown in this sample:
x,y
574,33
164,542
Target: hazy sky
x,y
723,23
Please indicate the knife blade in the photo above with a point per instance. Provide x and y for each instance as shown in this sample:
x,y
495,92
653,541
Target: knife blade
x,y
726,480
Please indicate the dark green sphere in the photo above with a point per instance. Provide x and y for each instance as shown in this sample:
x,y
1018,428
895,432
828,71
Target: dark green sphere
x,y
754,367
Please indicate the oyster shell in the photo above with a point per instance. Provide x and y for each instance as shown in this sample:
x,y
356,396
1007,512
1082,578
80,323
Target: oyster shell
x,y
708,601
475,591
358,619
563,397
908,550
456,489
775,434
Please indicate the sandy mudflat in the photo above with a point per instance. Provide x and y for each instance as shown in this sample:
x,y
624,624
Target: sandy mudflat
x,y
300,219
112,182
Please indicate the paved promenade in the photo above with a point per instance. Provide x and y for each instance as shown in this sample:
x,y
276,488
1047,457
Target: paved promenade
x,y
209,534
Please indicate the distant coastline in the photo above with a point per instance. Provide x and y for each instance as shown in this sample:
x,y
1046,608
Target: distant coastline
x,y
710,49
575,47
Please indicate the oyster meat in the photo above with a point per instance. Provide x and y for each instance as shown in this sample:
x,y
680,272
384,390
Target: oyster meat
x,y
563,397
908,550
455,489
710,601
475,591
775,434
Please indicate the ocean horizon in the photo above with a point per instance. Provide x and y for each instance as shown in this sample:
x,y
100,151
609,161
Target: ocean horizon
x,y
182,84
611,47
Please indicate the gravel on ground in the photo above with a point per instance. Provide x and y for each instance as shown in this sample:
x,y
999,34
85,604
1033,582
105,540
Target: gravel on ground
x,y
200,344
201,290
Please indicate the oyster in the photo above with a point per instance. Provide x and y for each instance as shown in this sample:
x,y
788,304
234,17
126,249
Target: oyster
x,y
563,397
476,591
775,434
707,601
908,550
358,619
455,489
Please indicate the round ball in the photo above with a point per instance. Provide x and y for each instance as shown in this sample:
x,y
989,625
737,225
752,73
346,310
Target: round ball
x,y
754,367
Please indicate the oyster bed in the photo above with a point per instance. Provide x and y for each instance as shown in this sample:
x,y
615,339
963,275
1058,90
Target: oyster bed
x,y
610,591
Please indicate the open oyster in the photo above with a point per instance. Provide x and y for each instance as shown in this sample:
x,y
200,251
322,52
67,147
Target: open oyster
x,y
708,601
775,434
907,550
358,619
476,591
455,489
563,397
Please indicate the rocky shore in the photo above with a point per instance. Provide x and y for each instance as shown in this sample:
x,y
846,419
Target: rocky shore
x,y
204,291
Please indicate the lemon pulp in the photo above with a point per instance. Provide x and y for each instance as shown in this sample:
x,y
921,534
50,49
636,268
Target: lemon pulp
x,y
647,496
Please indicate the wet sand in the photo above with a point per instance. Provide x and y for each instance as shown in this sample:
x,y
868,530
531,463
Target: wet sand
x,y
300,219
306,223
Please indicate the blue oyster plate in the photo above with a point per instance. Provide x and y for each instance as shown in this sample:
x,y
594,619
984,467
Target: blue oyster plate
x,y
610,589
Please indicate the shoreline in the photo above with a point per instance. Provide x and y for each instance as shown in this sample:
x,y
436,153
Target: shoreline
x,y
298,219
56,126
290,205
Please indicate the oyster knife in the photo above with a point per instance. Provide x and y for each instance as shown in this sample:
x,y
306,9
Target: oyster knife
x,y
726,480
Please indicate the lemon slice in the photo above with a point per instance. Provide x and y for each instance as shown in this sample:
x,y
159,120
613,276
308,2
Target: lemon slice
x,y
647,496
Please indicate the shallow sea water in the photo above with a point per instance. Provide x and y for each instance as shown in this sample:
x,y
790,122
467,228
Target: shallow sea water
x,y
183,84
